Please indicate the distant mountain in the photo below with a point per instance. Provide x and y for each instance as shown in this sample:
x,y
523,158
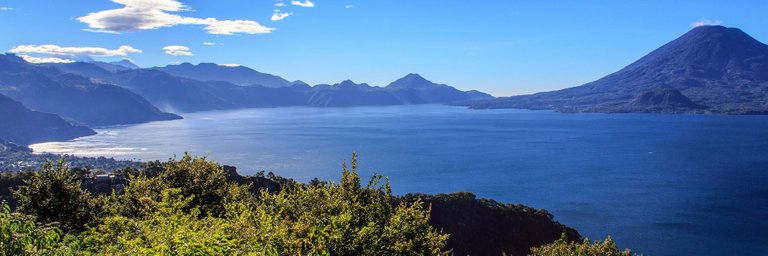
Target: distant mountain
x,y
73,97
126,63
179,94
415,89
348,93
23,126
710,69
239,75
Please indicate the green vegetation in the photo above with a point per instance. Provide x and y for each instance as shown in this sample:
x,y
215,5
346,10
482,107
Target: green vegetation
x,y
190,208
54,194
20,235
564,247
193,206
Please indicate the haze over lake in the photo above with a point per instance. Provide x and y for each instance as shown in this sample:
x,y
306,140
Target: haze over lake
x,y
659,184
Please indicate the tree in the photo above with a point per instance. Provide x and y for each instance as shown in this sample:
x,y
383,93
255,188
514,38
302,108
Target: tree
x,y
54,194
204,181
563,247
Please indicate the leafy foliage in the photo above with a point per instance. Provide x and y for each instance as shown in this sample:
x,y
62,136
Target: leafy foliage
x,y
189,207
54,194
20,235
564,247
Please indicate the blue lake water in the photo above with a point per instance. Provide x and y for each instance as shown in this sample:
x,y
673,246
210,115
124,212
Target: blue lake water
x,y
660,184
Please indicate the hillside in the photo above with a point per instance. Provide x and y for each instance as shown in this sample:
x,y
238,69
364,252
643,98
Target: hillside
x,y
24,126
710,69
73,97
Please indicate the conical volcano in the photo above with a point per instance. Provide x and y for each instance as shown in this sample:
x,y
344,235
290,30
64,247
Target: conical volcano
x,y
721,70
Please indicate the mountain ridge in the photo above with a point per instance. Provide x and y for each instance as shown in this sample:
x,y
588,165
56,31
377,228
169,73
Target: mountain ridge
x,y
182,94
238,75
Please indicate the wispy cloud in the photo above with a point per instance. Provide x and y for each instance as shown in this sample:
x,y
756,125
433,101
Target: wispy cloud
x,y
305,3
232,65
278,15
153,14
177,50
32,59
51,49
209,43
279,4
349,6
6,8
706,22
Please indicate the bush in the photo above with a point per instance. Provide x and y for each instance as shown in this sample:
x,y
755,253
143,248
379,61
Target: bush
x,y
19,235
190,209
563,247
54,194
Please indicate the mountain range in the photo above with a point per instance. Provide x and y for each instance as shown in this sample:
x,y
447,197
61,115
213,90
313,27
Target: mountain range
x,y
710,69
93,93
184,94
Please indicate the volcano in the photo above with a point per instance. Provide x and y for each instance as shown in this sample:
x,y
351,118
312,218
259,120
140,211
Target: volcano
x,y
710,69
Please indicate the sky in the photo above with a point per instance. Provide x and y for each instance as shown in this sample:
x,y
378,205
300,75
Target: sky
x,y
502,47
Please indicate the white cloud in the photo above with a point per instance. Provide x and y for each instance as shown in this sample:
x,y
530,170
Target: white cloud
x,y
32,59
208,43
74,51
706,22
306,3
349,6
279,4
277,15
6,9
231,27
177,50
154,14
230,65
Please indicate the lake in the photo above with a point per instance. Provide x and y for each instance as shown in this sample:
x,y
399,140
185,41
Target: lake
x,y
659,184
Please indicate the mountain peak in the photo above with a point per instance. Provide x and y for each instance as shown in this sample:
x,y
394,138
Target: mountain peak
x,y
350,84
705,51
126,63
717,32
411,80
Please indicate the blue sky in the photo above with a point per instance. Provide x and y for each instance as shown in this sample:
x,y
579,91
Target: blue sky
x,y
502,47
